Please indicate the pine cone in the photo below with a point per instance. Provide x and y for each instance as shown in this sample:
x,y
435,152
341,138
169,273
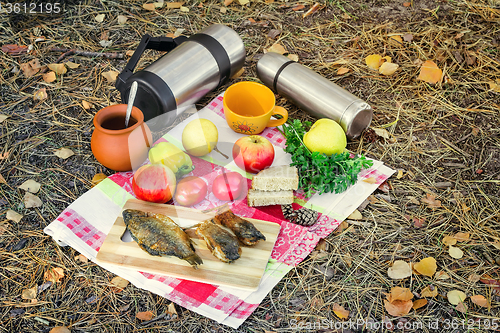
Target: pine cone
x,y
288,211
305,217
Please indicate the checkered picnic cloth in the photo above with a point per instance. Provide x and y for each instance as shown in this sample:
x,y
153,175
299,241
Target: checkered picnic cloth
x,y
86,222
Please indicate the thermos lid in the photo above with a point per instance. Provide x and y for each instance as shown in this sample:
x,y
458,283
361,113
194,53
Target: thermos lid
x,y
314,93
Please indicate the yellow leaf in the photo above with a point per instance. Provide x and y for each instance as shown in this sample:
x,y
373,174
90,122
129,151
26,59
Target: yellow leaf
x,y
374,61
399,294
456,297
99,18
399,270
426,266
396,40
277,48
430,72
293,57
343,70
86,105
29,293
243,2
419,303
71,65
340,311
238,73
398,308
110,76
149,6
228,2
64,153
356,215
30,185
480,300
13,216
121,19
98,178
159,4
146,315
54,274
382,132
119,282
57,68
40,94
427,292
455,252
449,240
495,86
400,174
31,200
174,5
49,77
60,329
441,275
184,9
370,180
462,236
388,68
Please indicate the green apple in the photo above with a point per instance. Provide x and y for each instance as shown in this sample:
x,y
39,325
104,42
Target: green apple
x,y
326,136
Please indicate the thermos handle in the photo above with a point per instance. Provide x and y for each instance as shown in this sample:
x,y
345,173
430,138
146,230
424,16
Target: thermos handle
x,y
147,42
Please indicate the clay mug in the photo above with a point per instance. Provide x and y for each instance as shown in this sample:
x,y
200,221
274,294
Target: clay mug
x,y
116,147
248,107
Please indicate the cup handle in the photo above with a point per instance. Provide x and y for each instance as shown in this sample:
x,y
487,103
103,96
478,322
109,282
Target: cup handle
x,y
277,122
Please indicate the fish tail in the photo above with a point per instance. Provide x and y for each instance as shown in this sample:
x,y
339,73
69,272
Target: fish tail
x,y
194,260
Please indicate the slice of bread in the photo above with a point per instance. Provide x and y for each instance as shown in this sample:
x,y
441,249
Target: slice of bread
x,y
268,198
277,178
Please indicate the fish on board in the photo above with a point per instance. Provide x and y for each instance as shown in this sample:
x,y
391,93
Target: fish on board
x,y
221,243
246,232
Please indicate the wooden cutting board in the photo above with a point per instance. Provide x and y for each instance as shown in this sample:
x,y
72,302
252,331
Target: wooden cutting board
x,y
245,273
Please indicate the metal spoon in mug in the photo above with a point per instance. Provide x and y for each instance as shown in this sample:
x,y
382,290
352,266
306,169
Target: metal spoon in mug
x,y
131,98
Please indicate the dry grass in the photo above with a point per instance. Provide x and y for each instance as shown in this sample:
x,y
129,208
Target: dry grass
x,y
445,138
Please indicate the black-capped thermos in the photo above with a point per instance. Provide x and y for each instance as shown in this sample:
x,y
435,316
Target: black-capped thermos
x,y
192,67
314,93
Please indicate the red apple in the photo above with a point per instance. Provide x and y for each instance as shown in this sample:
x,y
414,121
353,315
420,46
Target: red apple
x,y
154,183
228,186
253,153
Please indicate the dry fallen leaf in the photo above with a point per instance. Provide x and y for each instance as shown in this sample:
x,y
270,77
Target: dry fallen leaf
x,y
60,329
449,240
49,77
57,68
40,94
455,252
54,274
293,57
396,40
277,48
63,153
370,180
388,68
31,67
480,300
238,73
31,200
456,297
71,65
495,86
3,117
462,307
343,70
86,105
430,72
311,11
2,180
14,49
340,311
419,303
426,266
146,315
474,278
184,9
398,308
121,19
110,76
430,200
462,236
427,292
406,4
29,293
100,18
441,275
149,6
399,270
382,132
408,37
13,216
243,2
356,215
119,282
30,185
99,177
175,5
400,174
129,53
228,2
82,258
399,294
374,61
298,7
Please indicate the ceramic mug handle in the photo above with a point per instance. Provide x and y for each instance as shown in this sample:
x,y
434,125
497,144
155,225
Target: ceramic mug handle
x,y
277,122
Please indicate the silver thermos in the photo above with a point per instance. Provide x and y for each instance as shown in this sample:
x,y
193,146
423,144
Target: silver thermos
x,y
314,93
190,69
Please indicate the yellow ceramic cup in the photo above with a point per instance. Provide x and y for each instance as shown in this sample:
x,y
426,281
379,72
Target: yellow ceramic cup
x,y
248,107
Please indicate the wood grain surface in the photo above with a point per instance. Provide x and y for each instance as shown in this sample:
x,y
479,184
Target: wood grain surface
x,y
245,273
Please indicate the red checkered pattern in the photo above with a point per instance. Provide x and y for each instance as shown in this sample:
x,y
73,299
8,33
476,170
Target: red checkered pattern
x,y
82,229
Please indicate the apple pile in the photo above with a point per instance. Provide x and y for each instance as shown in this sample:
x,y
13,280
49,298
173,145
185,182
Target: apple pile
x,y
158,183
